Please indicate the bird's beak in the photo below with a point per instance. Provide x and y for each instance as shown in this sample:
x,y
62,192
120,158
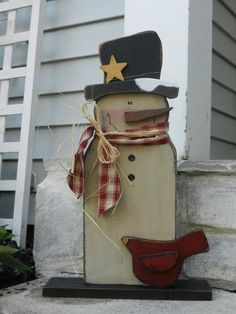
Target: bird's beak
x,y
125,240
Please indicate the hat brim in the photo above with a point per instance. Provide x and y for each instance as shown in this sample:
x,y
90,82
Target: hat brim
x,y
140,85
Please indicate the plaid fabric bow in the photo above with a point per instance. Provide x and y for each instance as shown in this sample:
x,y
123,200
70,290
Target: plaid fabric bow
x,y
109,182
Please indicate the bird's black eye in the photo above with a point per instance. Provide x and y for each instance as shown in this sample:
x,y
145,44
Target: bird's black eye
x,y
130,102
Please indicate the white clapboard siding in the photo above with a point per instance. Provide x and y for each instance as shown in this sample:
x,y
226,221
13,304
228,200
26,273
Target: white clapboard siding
x,y
54,110
224,45
73,30
223,126
66,44
64,13
224,18
230,4
223,72
223,99
67,67
222,149
71,75
79,41
223,121
49,142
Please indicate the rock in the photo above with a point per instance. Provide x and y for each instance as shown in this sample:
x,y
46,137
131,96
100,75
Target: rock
x,y
218,265
207,194
58,241
206,198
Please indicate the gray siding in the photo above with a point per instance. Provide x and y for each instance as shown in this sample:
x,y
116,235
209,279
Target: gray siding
x,y
223,121
73,30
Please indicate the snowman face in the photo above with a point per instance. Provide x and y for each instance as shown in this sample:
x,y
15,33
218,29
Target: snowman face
x,y
114,111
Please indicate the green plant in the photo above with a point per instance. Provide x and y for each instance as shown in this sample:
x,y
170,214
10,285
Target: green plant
x,y
7,251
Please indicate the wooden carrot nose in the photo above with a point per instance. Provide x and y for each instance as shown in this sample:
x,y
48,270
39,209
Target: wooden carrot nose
x,y
134,116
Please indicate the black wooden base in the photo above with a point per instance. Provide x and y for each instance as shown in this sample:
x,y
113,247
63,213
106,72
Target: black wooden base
x,y
76,288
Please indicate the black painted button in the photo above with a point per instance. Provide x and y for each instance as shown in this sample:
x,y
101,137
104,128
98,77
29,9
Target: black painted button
x,y
131,157
131,177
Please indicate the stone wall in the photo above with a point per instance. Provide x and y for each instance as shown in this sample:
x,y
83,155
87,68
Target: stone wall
x,y
206,198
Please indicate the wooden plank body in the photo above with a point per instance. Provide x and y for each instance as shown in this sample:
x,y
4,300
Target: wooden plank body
x,y
146,209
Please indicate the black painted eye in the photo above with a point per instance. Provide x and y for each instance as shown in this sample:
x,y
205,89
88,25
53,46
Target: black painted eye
x,y
130,102
131,177
131,158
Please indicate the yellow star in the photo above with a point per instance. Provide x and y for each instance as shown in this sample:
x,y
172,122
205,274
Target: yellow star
x,y
113,69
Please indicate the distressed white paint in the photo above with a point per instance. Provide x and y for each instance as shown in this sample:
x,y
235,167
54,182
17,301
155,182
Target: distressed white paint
x,y
148,84
186,60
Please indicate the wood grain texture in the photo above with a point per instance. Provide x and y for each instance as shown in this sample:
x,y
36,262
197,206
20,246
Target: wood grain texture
x,y
158,263
146,209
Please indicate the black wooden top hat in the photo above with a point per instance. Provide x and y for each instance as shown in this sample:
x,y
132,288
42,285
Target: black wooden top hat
x,y
132,64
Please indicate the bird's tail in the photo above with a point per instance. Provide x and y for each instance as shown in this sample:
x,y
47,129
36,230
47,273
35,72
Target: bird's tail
x,y
194,242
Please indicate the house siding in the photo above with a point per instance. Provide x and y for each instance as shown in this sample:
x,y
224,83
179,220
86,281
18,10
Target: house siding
x,y
73,30
223,117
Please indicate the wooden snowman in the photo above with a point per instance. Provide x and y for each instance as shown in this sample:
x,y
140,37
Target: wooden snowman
x,y
128,173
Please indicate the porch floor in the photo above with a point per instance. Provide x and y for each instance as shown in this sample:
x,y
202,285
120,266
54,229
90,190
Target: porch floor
x,y
27,298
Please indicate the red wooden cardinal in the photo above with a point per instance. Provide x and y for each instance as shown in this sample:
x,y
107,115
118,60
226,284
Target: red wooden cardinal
x,y
158,263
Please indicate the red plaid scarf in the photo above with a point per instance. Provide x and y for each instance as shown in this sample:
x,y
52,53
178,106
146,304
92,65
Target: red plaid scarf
x,y
109,183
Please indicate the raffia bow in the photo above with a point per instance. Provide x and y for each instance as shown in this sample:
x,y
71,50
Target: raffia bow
x,y
106,152
109,189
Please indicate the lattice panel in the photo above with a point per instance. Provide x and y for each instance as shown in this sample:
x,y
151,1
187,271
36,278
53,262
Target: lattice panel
x,y
21,185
